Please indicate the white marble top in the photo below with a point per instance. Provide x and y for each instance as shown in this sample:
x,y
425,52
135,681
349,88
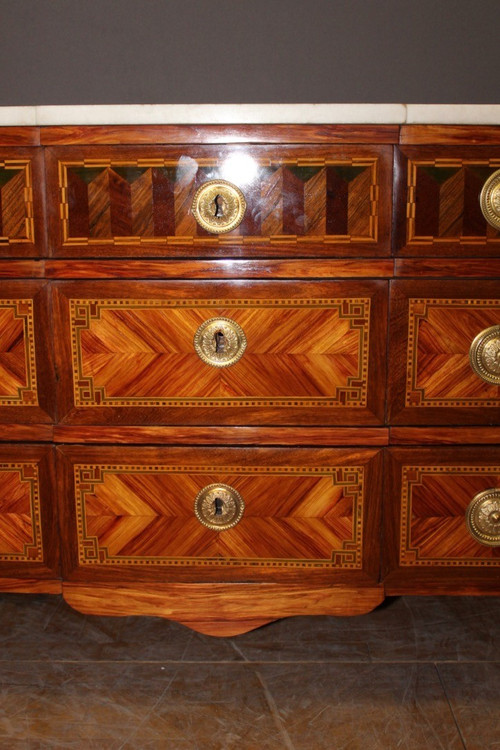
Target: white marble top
x,y
225,114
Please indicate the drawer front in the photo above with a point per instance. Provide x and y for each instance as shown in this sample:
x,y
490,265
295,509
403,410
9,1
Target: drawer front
x,y
307,353
21,203
26,390
429,530
299,511
139,201
28,545
437,196
432,377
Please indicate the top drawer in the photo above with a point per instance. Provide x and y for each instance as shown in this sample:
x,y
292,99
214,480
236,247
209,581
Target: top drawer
x,y
437,200
300,200
21,203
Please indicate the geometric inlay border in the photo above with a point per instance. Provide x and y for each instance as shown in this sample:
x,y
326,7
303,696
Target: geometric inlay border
x,y
412,476
24,165
86,476
213,165
411,204
28,474
26,395
353,394
418,310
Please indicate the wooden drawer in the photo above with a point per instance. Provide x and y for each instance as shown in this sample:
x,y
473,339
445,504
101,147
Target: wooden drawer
x,y
307,514
428,545
26,369
22,233
433,325
28,537
300,200
314,353
437,209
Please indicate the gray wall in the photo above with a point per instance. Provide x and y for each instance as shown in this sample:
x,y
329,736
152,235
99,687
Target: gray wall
x,y
176,51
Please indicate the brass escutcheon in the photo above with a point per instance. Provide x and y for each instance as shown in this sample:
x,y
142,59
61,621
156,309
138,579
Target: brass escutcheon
x,y
484,355
219,507
219,206
220,342
490,199
483,517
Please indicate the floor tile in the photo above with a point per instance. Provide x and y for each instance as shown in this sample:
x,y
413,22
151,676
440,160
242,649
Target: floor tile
x,y
45,627
111,705
474,694
360,706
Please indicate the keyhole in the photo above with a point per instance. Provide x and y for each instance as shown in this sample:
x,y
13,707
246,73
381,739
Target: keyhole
x,y
220,342
218,506
219,206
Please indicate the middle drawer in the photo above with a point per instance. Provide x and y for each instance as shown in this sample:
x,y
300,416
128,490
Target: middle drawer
x,y
221,353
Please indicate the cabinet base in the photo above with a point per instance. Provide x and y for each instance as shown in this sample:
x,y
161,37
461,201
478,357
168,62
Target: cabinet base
x,y
221,609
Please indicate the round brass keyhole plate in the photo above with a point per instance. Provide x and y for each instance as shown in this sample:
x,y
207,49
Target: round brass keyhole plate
x,y
485,355
483,517
220,342
490,199
219,206
219,507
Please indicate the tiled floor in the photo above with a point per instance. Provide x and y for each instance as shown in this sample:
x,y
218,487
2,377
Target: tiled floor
x,y
416,674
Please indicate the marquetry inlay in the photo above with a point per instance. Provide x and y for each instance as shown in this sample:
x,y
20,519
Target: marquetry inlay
x,y
149,200
16,202
18,383
434,502
443,201
20,513
440,333
305,517
300,353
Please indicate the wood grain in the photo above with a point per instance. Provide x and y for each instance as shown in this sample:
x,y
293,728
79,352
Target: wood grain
x,y
129,512
481,268
30,586
211,435
221,609
444,435
221,134
19,136
464,135
22,194
432,327
317,374
136,201
427,542
29,545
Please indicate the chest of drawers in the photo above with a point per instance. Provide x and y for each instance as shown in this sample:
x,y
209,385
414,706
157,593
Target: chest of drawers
x,y
249,372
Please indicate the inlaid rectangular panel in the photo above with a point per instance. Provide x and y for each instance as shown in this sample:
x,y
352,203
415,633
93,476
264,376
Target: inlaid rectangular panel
x,y
437,193
299,200
428,534
129,349
431,377
26,371
28,547
21,202
302,510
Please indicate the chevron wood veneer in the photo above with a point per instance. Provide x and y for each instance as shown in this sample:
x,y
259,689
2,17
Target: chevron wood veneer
x,y
433,504
16,202
440,333
18,380
20,513
302,353
144,515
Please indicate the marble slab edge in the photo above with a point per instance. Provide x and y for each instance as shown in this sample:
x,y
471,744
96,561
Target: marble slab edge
x,y
226,114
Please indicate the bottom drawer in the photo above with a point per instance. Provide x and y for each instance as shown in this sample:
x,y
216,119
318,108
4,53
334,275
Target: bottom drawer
x,y
28,541
442,521
236,514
